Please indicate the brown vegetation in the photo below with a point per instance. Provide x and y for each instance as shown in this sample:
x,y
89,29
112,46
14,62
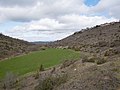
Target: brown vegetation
x,y
99,40
13,47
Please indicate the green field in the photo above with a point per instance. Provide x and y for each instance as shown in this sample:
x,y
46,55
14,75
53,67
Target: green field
x,y
31,62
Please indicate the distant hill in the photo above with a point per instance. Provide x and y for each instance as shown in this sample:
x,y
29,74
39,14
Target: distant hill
x,y
103,39
11,47
41,42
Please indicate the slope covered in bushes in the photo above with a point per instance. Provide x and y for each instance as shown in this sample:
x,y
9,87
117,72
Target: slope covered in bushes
x,y
11,47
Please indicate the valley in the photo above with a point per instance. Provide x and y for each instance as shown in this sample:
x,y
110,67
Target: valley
x,y
87,60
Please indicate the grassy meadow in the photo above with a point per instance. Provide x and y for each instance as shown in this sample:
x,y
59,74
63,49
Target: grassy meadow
x,y
31,62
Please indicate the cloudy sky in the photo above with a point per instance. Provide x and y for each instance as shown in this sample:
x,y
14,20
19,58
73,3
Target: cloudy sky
x,y
49,20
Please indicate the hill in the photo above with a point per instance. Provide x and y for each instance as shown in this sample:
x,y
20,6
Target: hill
x,y
103,39
11,47
41,42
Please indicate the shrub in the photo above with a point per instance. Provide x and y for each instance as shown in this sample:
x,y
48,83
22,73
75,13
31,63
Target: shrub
x,y
102,43
115,69
37,74
110,52
67,63
84,58
53,70
97,26
100,60
41,68
10,80
88,60
51,82
43,48
93,59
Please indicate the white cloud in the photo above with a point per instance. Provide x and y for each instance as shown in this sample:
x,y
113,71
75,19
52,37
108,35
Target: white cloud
x,y
43,24
81,21
52,29
43,9
28,10
7,3
109,6
55,19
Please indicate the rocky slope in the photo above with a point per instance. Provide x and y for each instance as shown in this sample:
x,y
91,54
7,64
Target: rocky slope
x,y
103,39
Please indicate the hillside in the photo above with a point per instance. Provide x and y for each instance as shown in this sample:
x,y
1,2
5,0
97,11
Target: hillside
x,y
11,47
103,39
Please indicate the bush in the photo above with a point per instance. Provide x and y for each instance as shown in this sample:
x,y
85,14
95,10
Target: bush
x,y
93,59
110,52
100,60
88,60
67,63
41,68
43,48
53,70
47,84
51,82
37,75
84,58
10,81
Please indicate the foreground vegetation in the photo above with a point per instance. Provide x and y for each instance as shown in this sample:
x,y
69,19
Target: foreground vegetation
x,y
31,62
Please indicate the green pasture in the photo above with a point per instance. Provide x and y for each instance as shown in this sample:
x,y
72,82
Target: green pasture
x,y
32,61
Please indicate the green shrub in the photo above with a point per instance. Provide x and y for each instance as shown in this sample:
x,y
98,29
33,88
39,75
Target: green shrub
x,y
43,48
41,68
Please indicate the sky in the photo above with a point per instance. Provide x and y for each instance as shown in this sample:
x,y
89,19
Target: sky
x,y
50,20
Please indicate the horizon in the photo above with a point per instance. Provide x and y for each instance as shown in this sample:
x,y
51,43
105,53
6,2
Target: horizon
x,y
52,20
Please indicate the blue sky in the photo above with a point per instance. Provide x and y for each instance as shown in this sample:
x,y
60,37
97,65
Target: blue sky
x,y
91,2
6,26
49,20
